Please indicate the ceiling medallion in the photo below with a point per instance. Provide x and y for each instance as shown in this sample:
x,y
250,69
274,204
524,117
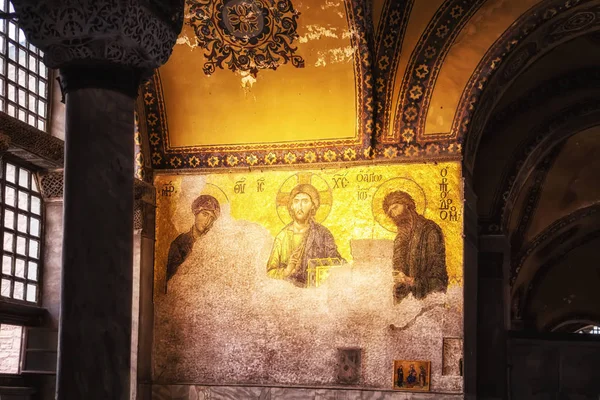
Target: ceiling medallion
x,y
245,35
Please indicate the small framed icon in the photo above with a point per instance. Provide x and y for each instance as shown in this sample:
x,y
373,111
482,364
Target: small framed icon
x,y
412,375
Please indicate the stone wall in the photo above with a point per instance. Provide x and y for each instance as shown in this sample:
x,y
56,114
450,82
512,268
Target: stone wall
x,y
549,368
10,348
190,392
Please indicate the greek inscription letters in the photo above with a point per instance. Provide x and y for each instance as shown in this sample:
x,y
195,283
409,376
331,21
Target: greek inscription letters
x,y
260,185
167,189
363,194
240,186
369,178
447,210
340,181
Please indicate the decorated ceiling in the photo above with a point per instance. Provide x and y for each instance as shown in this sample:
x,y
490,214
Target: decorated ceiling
x,y
261,83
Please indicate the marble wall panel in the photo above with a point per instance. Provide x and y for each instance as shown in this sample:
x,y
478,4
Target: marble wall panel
x,y
191,392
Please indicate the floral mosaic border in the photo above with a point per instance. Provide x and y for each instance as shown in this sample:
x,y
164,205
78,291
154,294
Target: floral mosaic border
x,y
422,71
388,46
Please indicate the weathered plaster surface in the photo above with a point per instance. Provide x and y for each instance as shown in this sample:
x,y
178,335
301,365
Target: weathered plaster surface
x,y
224,321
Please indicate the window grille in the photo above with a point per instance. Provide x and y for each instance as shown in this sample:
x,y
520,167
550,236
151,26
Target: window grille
x,y
23,75
21,216
590,330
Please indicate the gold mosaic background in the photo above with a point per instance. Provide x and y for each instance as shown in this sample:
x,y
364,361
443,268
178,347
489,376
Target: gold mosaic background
x,y
222,312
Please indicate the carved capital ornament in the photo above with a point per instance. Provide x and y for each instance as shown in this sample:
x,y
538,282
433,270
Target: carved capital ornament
x,y
116,39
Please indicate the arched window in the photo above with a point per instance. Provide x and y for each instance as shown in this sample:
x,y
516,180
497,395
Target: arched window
x,y
591,329
21,216
23,76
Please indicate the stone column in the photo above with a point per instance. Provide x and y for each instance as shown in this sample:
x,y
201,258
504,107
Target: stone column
x,y
470,369
104,48
493,270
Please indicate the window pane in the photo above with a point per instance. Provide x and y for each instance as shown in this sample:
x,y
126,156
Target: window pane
x,y
22,58
31,293
9,196
32,63
11,172
34,227
11,110
33,248
7,265
9,219
42,88
12,93
43,70
23,178
20,268
32,83
12,51
21,244
19,289
31,120
22,97
42,108
35,205
41,125
22,39
12,72
22,115
31,105
22,223
22,77
12,31
8,241
34,185
23,200
5,288
32,271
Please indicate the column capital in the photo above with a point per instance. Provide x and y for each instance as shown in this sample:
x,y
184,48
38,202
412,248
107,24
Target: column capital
x,y
119,35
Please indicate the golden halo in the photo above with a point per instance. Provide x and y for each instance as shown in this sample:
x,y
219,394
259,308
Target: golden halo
x,y
216,192
283,196
406,185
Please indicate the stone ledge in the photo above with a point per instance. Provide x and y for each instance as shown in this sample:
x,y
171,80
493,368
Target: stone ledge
x,y
31,144
194,392
21,314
